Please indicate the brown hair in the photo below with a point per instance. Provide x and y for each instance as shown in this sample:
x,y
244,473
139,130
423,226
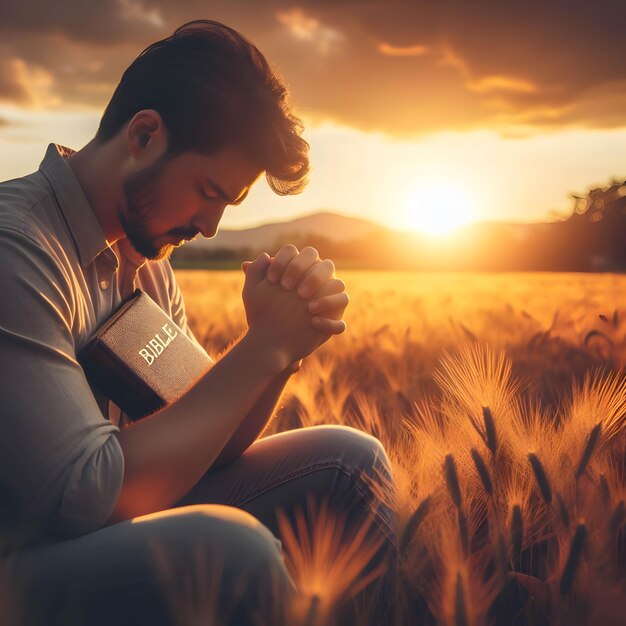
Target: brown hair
x,y
214,88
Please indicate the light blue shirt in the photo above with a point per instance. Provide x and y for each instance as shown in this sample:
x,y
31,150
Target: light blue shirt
x,y
59,280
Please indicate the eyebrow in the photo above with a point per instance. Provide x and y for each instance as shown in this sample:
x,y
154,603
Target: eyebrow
x,y
222,194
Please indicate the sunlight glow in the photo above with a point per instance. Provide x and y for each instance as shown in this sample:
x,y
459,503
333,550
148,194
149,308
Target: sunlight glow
x,y
436,209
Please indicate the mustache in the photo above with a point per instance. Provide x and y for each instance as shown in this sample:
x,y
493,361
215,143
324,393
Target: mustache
x,y
185,233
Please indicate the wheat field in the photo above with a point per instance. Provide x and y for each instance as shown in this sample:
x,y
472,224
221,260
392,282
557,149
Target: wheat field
x,y
500,399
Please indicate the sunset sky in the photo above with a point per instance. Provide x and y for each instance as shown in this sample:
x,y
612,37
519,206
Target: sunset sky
x,y
483,110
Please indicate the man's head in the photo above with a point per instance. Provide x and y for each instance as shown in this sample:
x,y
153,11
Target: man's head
x,y
220,113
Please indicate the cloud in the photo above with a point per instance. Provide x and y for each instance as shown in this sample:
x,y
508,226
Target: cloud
x,y
403,51
488,84
132,10
11,89
309,29
105,22
26,85
483,84
458,65
397,67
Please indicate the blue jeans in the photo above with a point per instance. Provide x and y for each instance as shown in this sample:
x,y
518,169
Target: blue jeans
x,y
217,553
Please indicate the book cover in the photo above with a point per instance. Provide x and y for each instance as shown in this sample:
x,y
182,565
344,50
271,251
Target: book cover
x,y
141,359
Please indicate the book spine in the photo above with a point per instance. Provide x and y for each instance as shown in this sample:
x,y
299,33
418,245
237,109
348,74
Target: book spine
x,y
121,384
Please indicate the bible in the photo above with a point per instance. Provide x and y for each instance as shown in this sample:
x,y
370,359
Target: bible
x,y
141,359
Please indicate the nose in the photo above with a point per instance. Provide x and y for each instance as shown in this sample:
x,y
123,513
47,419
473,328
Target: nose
x,y
208,232
208,222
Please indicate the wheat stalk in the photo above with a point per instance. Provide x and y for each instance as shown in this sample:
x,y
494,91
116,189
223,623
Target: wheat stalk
x,y
483,472
500,557
412,525
604,490
490,430
562,510
463,532
540,477
517,530
313,610
460,608
573,558
592,440
616,519
452,480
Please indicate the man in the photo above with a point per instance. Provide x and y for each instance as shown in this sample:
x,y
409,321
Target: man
x,y
194,122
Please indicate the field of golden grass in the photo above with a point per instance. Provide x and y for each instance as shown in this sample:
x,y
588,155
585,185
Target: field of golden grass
x,y
501,401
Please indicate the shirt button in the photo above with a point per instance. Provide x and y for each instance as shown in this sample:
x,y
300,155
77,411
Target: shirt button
x,y
104,284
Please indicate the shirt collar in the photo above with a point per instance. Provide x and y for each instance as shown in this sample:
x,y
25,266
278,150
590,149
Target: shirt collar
x,y
82,221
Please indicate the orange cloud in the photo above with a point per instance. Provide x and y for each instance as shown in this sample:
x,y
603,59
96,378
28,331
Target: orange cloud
x,y
500,83
30,86
403,51
135,11
10,88
449,58
484,84
528,63
310,29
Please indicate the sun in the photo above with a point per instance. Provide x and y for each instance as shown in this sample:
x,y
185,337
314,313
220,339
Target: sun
x,y
436,209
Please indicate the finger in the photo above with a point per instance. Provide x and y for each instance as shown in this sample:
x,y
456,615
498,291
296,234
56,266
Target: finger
x,y
330,306
245,265
280,261
330,327
298,266
333,286
318,274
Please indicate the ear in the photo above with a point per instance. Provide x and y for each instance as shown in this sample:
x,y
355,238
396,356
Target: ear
x,y
146,135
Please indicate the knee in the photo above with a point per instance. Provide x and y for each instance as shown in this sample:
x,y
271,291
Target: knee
x,y
354,448
232,541
182,565
364,458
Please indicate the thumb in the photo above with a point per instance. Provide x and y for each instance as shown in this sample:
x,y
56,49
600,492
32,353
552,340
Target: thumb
x,y
256,270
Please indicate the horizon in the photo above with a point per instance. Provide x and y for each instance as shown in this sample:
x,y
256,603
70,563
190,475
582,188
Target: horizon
x,y
331,212
405,107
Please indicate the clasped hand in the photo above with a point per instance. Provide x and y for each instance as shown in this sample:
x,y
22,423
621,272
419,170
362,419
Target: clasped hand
x,y
294,298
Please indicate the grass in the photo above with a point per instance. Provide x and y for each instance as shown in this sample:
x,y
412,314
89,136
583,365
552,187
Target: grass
x,y
501,401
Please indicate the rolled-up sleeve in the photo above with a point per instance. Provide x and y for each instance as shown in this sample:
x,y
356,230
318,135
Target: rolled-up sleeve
x,y
59,456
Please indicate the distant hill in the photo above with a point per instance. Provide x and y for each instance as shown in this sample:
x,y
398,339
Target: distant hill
x,y
330,226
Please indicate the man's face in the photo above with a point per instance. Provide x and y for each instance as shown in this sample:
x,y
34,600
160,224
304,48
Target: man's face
x,y
174,199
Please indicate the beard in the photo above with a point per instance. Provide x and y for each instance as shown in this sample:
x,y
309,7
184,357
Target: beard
x,y
141,192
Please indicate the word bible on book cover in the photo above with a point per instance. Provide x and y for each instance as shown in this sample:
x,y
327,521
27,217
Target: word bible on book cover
x,y
141,359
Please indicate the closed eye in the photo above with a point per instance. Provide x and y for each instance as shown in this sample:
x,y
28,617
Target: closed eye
x,y
206,196
220,193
